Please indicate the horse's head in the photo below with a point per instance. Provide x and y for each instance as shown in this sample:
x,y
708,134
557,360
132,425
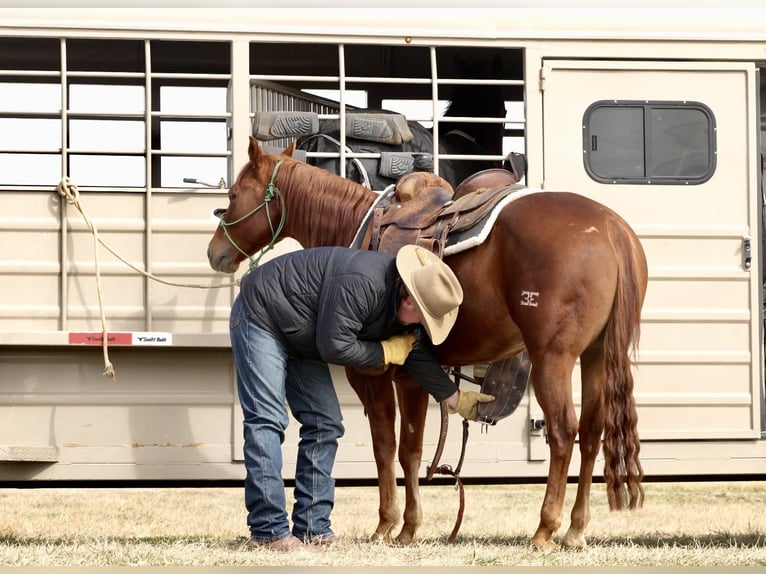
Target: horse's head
x,y
478,100
254,215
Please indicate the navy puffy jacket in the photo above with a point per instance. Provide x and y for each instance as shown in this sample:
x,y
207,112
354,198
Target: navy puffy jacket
x,y
336,304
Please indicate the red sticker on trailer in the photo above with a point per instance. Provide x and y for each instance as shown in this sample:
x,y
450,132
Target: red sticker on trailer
x,y
98,338
136,338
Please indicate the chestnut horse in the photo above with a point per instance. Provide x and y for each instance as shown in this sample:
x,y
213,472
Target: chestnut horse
x,y
559,275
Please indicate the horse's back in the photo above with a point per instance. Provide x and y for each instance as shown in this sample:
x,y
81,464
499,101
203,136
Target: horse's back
x,y
562,221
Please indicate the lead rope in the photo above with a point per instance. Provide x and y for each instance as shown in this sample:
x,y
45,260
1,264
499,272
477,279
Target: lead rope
x,y
69,191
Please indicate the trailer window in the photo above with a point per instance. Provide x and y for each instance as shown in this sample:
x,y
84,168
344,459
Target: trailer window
x,y
464,95
649,142
121,115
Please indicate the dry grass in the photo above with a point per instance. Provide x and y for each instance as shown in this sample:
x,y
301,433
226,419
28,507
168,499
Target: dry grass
x,y
688,524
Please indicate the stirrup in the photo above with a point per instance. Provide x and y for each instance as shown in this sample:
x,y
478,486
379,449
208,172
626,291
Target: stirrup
x,y
507,381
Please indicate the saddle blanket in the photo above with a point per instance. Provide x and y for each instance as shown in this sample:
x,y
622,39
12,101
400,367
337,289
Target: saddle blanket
x,y
457,242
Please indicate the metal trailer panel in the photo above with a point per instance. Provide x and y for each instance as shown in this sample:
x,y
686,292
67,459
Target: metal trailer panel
x,y
676,22
172,412
699,368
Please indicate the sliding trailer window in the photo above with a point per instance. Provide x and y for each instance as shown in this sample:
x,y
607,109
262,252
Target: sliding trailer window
x,y
646,142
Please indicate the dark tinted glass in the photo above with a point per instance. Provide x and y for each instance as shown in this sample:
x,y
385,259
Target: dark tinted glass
x,y
649,142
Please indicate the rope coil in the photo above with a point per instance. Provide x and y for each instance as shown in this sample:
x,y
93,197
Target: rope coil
x,y
69,191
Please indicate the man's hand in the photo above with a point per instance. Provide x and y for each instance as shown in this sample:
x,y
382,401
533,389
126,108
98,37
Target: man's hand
x,y
396,349
468,404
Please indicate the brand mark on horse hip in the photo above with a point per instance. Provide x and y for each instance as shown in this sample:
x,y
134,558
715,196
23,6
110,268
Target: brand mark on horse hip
x,y
529,298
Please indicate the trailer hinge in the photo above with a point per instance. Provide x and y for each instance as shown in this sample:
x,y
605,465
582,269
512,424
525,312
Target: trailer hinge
x,y
542,79
747,257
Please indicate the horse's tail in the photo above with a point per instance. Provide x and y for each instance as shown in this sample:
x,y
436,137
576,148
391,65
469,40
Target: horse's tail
x,y
622,471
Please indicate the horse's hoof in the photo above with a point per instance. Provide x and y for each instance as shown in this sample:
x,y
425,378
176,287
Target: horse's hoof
x,y
542,543
405,538
574,540
383,534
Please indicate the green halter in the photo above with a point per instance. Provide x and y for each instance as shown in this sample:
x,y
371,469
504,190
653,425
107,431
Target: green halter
x,y
271,192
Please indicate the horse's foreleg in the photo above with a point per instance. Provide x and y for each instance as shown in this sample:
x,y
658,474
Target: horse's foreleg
x,y
591,427
413,403
553,390
377,396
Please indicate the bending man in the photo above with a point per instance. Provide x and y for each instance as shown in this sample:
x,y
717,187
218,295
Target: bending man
x,y
293,316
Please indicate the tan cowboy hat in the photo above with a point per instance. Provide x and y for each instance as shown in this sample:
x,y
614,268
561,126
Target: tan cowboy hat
x,y
434,289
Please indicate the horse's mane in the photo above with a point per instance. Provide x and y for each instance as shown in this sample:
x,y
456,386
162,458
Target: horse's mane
x,y
318,195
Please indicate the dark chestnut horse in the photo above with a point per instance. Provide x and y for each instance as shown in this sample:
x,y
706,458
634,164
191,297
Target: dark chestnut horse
x,y
559,275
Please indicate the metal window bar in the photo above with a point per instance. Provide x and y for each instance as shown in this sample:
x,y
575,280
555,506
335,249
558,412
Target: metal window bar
x,y
269,95
149,154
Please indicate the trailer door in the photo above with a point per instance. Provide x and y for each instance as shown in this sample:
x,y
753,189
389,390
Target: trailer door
x,y
673,147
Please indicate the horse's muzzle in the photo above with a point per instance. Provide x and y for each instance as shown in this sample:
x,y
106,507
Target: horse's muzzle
x,y
224,261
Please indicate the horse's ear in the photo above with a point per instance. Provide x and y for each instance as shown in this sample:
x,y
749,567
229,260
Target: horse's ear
x,y
290,150
254,150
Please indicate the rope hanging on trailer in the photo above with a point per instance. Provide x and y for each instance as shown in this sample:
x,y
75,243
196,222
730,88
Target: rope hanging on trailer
x,y
69,191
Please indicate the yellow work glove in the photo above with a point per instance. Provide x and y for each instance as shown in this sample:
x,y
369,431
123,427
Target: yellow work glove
x,y
468,404
396,349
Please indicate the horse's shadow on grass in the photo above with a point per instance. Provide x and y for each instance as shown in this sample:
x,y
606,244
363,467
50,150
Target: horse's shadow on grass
x,y
652,541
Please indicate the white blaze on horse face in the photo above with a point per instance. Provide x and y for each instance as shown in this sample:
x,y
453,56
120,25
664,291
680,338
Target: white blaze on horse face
x,y
529,298
591,229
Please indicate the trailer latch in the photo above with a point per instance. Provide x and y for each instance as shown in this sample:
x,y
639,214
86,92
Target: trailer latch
x,y
747,256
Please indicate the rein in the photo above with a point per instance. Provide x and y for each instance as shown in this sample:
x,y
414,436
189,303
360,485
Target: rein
x,y
271,192
446,469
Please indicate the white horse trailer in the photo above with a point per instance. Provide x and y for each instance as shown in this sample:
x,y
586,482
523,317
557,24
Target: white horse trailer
x,y
655,113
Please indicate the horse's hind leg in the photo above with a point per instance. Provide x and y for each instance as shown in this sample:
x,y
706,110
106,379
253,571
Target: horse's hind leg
x,y
413,404
591,426
377,396
552,379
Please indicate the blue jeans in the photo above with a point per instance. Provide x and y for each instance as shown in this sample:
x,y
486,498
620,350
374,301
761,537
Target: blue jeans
x,y
267,378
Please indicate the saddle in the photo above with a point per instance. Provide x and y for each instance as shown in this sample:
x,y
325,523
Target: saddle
x,y
493,177
423,210
428,217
